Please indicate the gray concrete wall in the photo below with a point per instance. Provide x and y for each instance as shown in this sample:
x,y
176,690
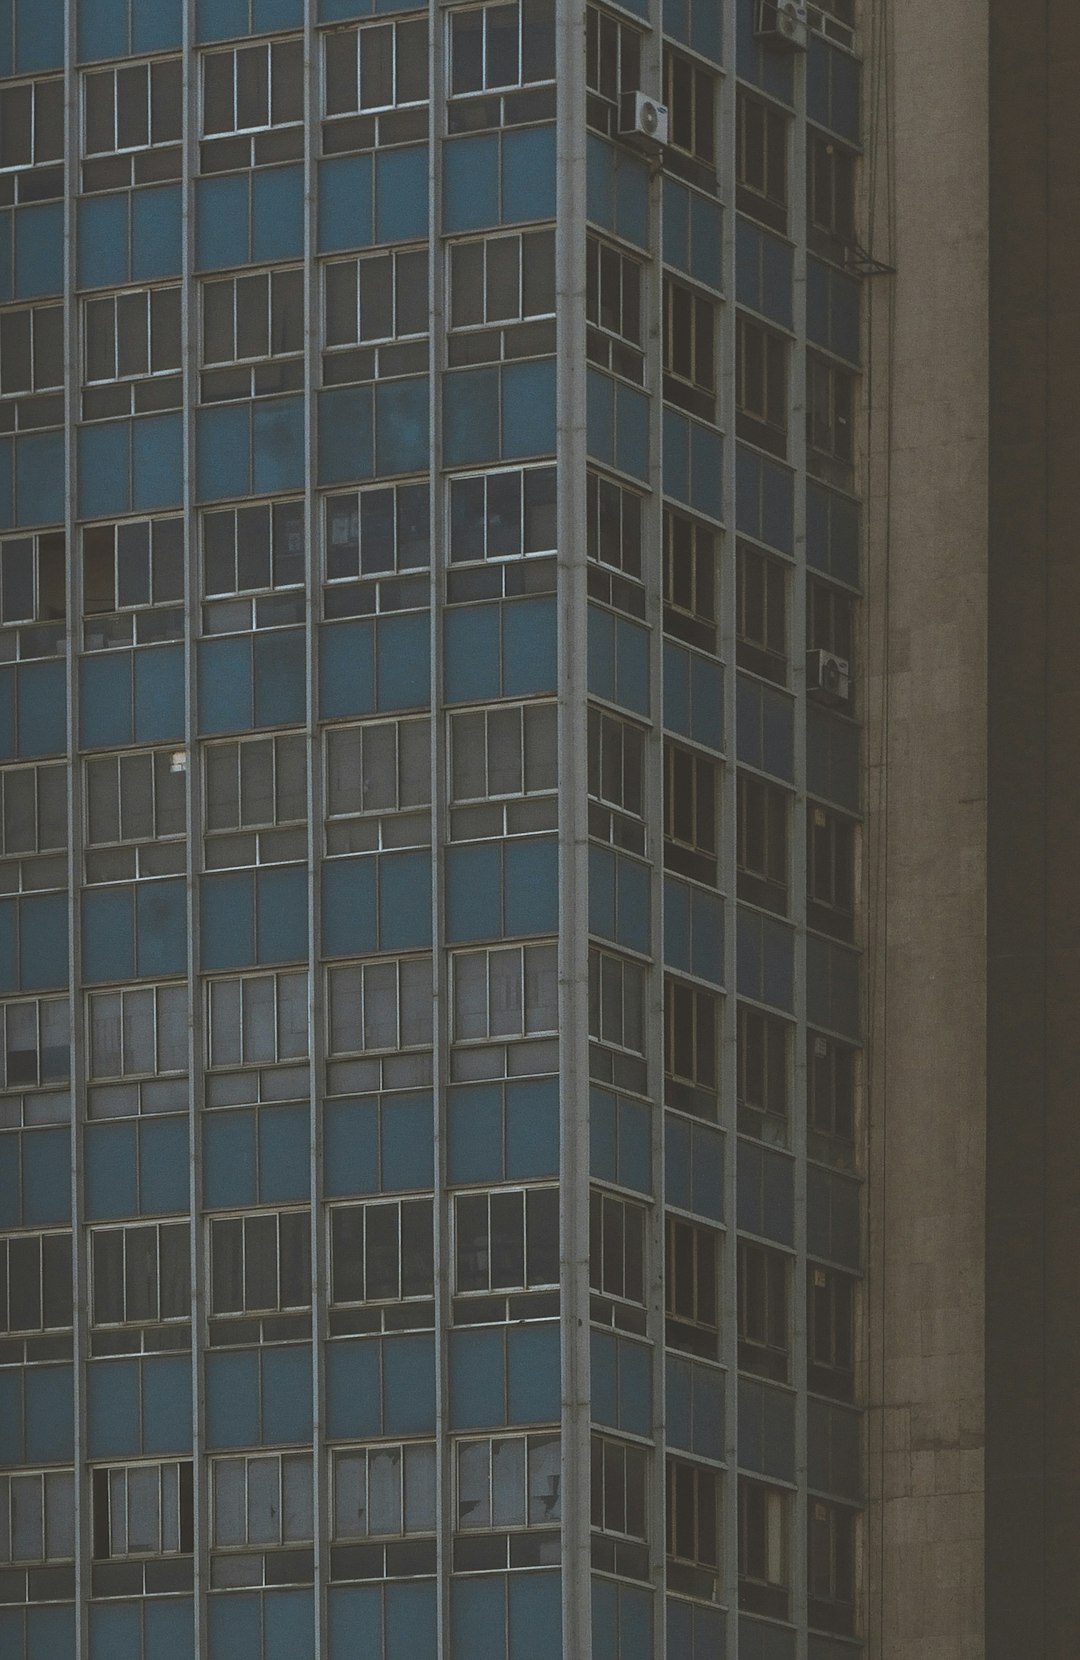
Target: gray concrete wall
x,y
927,175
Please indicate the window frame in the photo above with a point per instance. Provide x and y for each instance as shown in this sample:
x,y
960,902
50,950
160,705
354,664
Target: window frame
x,y
414,1283
530,1445
545,1206
762,194
43,1079
762,393
416,998
532,958
38,353
154,1270
422,1452
694,387
764,1310
105,1478
56,1489
266,49
155,71
396,28
286,1462
763,841
692,1270
765,652
247,1220
52,1249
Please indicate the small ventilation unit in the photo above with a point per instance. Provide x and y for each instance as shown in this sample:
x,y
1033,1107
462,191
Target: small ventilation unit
x,y
828,678
781,25
643,121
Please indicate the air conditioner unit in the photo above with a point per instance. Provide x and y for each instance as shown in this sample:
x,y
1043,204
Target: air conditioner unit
x,y
828,678
781,25
643,121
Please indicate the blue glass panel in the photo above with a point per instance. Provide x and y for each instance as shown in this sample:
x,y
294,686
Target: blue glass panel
x,y
280,674
345,203
632,199
600,415
102,240
635,1146
39,478
227,911
348,907
635,1387
535,1616
232,1399
222,452
532,1128
39,35
632,666
777,733
354,1614
471,654
778,506
6,246
707,1173
159,693
603,1135
10,1206
50,1414
221,222
286,1382
115,1632
351,1147
604,1378
528,174
277,213
346,669
7,480
676,688
677,225
346,435
707,695
229,1159
221,20
404,668
8,702
234,1625
600,182
108,934
705,241
477,1617
157,235
706,470
748,953
401,194
277,439
409,1385
601,891
677,456
531,887
352,1389
161,927
601,651
528,408
104,468
155,25
778,942
530,651
46,1176
476,1379
11,1437
284,1154
288,1625
634,926
157,462
42,711
402,423
632,431
166,1383
748,1167
268,16
707,945
677,1161
163,1165
474,1133
470,416
112,1408
281,915
169,1627
404,901
473,893
411,1628
470,182
39,250
605,1620
677,1402
224,685
111,1170
533,1386
635,1624
50,1633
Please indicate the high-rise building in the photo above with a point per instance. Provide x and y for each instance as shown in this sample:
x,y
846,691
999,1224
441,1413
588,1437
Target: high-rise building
x,y
433,1099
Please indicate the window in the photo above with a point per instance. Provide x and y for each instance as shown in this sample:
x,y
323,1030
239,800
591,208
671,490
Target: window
x,y
129,336
616,772
141,1275
35,1283
259,315
830,414
830,185
614,285
139,1032
383,1491
619,1483
762,851
37,1043
691,783
761,160
612,68
381,1252
32,133
502,280
614,525
375,67
508,1481
253,87
385,534
690,95
691,551
257,1019
691,1281
375,297
506,1239
761,614
691,1048
33,596
616,1247
264,1499
380,1005
764,1572
256,782
260,1262
830,1341
763,1311
830,1549
689,349
616,1001
261,546
132,106
830,871
143,1510
33,821
133,582
761,391
764,1052
830,615
508,753
135,796
693,1527
831,1098
501,46
503,515
37,1517
505,992
378,767
31,350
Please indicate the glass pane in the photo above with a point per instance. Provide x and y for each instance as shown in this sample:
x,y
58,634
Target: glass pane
x,y
139,1046
27,1537
105,1036
416,1006
225,1022
384,1490
107,1257
295,1259
347,1253
474,1501
264,1503
144,1492
504,751
541,989
508,1482
175,1271
350,1495
229,1528
227,1266
420,1488
381,1240
467,757
140,1273
259,1018
172,1034
470,995
60,1515
505,992
380,1006
297,1498
170,1507
545,1479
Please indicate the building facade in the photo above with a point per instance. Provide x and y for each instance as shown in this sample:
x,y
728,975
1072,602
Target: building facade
x,y
432,1120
